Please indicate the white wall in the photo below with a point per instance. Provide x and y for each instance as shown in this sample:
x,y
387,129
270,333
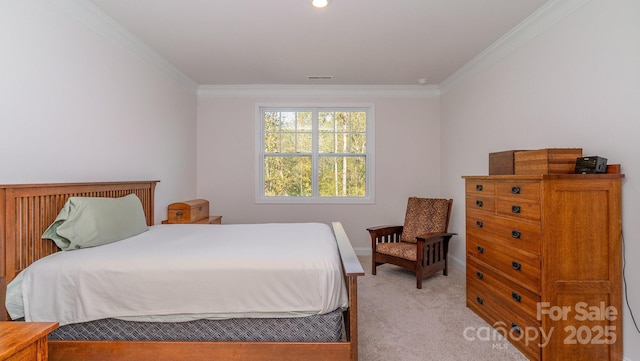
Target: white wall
x,y
76,106
406,152
575,85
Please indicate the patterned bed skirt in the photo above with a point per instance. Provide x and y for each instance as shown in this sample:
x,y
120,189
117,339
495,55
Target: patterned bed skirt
x,y
317,328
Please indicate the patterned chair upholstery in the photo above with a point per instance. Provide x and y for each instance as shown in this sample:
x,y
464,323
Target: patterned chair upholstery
x,y
421,244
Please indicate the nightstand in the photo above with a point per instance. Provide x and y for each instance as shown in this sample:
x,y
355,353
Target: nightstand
x,y
25,341
210,220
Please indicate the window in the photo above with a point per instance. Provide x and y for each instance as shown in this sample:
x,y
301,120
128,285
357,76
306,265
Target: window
x,y
315,155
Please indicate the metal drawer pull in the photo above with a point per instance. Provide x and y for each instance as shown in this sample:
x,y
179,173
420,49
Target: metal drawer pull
x,y
516,297
516,234
515,190
479,224
479,187
516,266
479,275
515,209
480,249
479,203
515,328
479,300
179,213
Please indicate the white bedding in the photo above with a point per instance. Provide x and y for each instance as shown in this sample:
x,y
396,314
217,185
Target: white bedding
x,y
186,271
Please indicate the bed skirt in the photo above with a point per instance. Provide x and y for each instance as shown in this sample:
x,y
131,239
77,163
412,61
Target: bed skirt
x,y
317,328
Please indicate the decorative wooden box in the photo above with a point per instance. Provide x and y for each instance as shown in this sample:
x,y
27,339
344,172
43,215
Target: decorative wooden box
x,y
502,163
188,211
547,161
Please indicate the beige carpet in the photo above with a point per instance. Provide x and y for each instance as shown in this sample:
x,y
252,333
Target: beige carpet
x,y
397,321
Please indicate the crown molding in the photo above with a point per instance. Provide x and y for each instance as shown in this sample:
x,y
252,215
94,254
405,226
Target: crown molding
x,y
318,91
94,18
541,20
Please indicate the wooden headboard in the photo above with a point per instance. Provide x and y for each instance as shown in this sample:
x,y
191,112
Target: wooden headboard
x,y
26,210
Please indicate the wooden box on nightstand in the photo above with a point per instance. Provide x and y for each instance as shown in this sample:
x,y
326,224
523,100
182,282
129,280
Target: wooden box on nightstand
x,y
193,211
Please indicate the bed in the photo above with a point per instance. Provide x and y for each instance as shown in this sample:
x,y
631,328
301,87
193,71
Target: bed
x,y
27,210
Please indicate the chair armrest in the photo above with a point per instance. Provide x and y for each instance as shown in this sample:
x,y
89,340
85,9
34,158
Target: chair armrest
x,y
385,230
434,237
381,234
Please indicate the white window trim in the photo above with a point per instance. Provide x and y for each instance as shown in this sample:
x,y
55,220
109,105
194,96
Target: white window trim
x,y
259,173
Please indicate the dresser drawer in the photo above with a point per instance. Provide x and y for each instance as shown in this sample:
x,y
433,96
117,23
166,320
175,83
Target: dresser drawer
x,y
519,234
518,208
481,202
480,187
518,189
504,291
520,267
506,321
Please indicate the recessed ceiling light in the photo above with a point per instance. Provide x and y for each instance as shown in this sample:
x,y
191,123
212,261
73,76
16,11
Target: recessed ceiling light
x,y
320,3
422,81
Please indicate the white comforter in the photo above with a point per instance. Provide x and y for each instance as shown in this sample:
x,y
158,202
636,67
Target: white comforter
x,y
256,270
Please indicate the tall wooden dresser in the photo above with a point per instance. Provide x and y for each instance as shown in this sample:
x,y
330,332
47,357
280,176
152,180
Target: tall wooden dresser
x,y
544,262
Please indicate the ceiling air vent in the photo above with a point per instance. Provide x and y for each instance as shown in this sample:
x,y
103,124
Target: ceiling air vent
x,y
320,77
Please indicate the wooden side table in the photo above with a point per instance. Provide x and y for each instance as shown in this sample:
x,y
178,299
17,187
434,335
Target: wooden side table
x,y
209,220
25,341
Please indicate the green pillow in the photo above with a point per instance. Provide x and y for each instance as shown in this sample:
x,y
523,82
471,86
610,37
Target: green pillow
x,y
93,221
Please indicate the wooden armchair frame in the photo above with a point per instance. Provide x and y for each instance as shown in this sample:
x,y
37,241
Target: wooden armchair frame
x,y
431,254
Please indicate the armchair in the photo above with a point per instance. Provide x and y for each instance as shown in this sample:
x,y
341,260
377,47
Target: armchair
x,y
421,244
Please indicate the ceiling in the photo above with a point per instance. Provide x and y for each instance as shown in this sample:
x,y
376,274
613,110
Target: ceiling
x,y
356,42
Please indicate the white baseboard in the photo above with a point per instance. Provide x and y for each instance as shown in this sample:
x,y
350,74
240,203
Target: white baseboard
x,y
457,263
362,251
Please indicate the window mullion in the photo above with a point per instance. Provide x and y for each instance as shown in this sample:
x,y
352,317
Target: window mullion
x,y
315,126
